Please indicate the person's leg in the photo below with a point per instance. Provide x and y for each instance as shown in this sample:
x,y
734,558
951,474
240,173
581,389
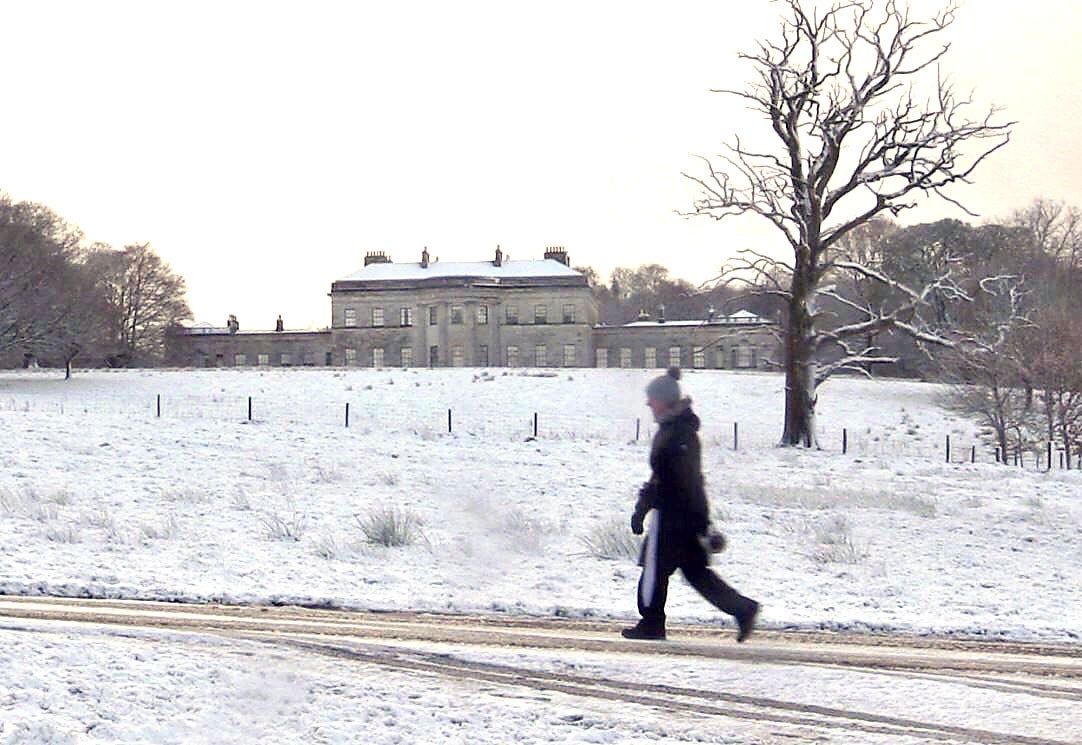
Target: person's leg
x,y
723,597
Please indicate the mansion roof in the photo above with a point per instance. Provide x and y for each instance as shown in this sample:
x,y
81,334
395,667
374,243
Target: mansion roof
x,y
509,273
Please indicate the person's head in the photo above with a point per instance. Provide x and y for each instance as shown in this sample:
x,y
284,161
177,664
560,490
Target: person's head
x,y
663,393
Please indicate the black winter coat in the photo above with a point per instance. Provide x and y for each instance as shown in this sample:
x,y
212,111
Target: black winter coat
x,y
675,488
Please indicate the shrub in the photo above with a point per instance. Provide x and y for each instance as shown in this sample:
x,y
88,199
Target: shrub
x,y
281,528
390,527
834,543
613,540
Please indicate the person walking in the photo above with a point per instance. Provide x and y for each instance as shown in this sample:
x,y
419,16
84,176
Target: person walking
x,y
681,524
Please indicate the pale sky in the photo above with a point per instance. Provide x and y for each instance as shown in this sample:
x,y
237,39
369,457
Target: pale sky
x,y
263,147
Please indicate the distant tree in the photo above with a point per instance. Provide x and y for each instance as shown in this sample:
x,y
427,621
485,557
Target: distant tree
x,y
143,299
989,376
1055,370
852,139
37,250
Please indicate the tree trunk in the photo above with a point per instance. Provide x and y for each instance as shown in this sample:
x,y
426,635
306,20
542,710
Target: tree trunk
x,y
799,375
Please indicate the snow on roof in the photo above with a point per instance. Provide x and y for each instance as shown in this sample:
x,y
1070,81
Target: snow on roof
x,y
509,270
740,316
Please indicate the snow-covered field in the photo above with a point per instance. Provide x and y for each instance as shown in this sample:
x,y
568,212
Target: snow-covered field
x,y
99,496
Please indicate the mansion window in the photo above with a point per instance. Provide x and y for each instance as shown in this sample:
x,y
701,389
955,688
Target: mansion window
x,y
569,313
699,358
569,355
240,360
433,356
482,315
377,317
512,356
433,315
458,359
651,357
674,356
625,357
602,358
285,359
264,359
350,317
377,357
351,357
540,314
456,315
540,355
405,317
744,357
482,355
407,356
511,314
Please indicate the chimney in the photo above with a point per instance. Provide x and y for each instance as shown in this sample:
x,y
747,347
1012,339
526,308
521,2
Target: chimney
x,y
558,253
279,325
424,258
499,257
661,313
376,257
232,324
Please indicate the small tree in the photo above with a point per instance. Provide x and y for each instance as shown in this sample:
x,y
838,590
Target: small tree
x,y
852,139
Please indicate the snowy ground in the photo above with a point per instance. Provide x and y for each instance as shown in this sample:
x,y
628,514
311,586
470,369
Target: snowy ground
x,y
101,497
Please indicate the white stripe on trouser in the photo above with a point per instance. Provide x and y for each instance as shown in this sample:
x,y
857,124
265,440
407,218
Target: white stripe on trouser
x,y
649,565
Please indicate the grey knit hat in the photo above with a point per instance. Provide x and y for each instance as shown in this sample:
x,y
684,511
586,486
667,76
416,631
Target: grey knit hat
x,y
665,388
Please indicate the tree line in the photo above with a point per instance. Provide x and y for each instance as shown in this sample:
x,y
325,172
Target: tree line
x,y
64,299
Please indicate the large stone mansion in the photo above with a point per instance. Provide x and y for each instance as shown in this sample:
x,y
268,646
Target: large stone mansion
x,y
496,313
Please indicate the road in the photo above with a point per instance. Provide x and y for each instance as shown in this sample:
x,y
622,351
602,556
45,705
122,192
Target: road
x,y
446,646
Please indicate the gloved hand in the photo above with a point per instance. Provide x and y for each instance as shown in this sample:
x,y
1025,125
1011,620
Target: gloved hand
x,y
637,523
714,540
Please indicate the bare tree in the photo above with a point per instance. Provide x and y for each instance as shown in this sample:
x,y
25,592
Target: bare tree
x,y
37,248
853,139
143,298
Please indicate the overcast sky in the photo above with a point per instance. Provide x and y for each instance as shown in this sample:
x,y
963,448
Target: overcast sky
x,y
263,147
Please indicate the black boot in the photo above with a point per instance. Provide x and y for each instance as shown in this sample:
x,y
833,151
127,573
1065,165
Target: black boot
x,y
746,620
643,630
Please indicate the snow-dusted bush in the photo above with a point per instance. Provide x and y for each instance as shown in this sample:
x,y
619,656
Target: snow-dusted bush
x,y
613,540
288,526
524,532
328,547
58,533
390,527
834,544
166,530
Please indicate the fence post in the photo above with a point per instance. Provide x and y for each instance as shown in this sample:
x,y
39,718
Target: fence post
x,y
449,429
948,448
347,414
159,406
1061,456
997,455
1049,455
535,424
249,408
638,428
973,454
845,441
736,435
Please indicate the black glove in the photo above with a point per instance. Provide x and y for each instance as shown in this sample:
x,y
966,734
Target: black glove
x,y
714,540
636,523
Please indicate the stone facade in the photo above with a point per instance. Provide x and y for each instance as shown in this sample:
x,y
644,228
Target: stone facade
x,y
479,314
742,341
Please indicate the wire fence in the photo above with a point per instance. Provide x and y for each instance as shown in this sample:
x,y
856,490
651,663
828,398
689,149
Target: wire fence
x,y
519,421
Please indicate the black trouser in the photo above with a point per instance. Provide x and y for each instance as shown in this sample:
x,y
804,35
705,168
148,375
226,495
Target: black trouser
x,y
666,551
